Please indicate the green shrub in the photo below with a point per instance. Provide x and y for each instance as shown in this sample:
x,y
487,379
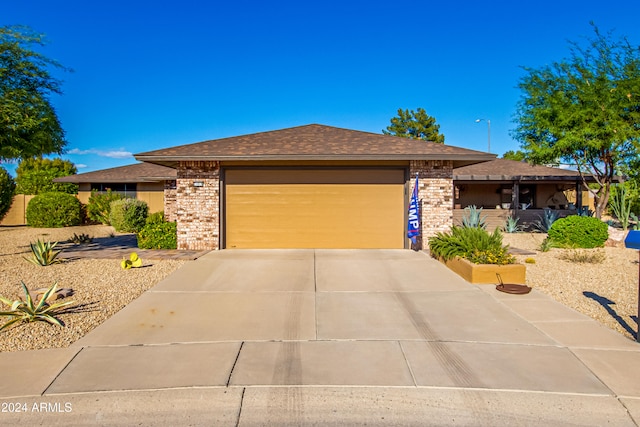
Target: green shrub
x,y
158,235
7,189
471,243
155,218
128,215
54,209
99,206
579,232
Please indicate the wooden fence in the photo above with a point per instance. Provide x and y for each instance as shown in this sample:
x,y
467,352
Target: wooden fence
x,y
17,214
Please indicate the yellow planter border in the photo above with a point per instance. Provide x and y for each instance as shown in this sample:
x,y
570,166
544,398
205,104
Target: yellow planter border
x,y
486,273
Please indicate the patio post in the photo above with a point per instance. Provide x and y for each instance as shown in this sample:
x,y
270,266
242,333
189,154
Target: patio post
x,y
515,196
578,195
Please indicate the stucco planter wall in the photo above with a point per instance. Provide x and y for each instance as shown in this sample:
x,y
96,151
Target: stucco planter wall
x,y
486,273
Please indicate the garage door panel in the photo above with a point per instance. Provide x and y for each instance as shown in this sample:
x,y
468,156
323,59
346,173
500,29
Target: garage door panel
x,y
314,176
314,215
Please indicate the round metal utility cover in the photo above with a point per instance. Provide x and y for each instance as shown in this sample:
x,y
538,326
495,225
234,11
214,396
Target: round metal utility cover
x,y
512,288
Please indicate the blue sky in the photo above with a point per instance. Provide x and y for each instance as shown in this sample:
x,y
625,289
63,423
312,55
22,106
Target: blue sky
x,y
153,74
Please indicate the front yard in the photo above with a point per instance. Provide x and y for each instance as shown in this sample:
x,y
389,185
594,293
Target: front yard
x,y
605,291
101,285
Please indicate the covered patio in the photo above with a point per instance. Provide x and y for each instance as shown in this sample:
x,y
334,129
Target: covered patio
x,y
506,188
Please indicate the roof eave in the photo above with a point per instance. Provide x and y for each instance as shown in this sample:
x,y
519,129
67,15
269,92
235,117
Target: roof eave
x,y
520,178
113,180
468,159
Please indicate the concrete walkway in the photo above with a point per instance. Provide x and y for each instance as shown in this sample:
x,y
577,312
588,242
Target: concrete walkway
x,y
322,337
119,247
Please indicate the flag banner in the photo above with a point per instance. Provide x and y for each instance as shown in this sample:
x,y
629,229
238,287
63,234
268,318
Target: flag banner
x,y
413,224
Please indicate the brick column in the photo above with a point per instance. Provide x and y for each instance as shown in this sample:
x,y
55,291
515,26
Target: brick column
x,y
198,205
170,200
435,192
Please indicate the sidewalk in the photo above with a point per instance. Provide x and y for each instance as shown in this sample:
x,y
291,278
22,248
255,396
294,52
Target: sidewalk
x,y
331,337
120,246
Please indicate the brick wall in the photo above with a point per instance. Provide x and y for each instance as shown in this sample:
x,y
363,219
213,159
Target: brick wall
x,y
435,192
170,194
197,207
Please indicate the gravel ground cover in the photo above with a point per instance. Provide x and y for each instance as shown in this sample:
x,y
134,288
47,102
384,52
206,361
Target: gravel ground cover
x,y
607,291
100,285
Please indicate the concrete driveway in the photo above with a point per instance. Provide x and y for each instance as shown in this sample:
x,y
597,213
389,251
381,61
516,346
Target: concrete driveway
x,y
261,337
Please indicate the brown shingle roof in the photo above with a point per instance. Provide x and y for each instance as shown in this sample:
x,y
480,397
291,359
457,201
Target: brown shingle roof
x,y
314,142
504,169
140,172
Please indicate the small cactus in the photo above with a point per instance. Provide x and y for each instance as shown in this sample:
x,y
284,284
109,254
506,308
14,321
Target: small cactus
x,y
81,239
133,262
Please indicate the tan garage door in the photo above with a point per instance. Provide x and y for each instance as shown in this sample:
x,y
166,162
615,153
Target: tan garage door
x,y
314,208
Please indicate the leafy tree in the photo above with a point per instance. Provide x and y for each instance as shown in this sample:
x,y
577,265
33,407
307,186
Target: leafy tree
x,y
514,155
29,125
35,176
7,187
99,206
415,125
584,111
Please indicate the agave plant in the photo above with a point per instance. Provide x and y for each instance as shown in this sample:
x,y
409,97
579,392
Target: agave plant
x,y
546,220
511,225
33,311
133,262
43,253
584,211
473,218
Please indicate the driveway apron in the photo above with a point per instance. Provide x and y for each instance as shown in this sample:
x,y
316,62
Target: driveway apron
x,y
356,318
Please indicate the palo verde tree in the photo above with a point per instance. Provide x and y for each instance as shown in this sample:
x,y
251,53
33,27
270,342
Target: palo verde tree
x,y
415,125
514,155
29,126
585,111
35,176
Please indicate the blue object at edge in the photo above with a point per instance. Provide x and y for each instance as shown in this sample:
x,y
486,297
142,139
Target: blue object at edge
x,y
632,241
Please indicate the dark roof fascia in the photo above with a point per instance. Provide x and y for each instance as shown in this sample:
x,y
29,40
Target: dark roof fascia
x,y
112,180
166,160
533,178
158,178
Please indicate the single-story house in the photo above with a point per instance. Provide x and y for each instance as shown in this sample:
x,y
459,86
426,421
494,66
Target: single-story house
x,y
317,186
310,186
505,188
144,181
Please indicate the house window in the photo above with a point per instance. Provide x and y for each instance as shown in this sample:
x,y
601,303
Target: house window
x,y
127,189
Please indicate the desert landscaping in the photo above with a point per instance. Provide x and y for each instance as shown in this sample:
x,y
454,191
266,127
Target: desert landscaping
x,y
102,287
582,286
